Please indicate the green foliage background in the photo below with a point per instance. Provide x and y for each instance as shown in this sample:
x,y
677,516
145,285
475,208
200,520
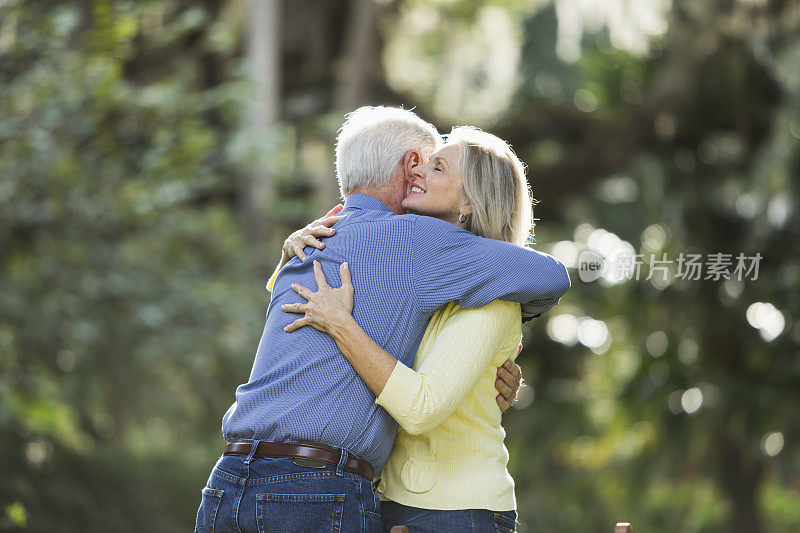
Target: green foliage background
x,y
131,285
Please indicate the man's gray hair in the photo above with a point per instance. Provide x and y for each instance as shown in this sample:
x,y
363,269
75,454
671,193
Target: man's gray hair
x,y
374,140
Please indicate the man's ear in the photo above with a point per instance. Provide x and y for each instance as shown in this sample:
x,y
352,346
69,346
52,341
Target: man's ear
x,y
412,159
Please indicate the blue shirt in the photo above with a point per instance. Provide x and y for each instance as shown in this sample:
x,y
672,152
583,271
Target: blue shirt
x,y
403,267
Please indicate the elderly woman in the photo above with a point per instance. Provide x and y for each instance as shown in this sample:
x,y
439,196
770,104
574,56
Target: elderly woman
x,y
448,470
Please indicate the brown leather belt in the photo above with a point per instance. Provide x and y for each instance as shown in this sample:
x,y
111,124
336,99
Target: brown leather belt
x,y
317,452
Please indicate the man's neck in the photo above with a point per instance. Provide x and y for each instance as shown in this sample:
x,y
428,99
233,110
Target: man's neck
x,y
390,195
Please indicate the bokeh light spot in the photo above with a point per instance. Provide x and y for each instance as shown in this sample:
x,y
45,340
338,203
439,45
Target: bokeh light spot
x,y
691,400
772,443
657,343
766,318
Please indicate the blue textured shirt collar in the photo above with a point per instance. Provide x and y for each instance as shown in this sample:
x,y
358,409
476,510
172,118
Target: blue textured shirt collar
x,y
363,201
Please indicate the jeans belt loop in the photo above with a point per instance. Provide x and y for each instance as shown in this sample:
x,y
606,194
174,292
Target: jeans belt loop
x,y
342,461
253,450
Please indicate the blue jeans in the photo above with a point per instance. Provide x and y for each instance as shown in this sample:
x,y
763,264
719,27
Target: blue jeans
x,y
433,521
260,494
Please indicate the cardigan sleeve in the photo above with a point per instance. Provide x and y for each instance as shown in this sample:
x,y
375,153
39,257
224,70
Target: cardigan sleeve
x,y
459,355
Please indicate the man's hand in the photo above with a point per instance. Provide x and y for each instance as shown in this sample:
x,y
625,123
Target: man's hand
x,y
509,379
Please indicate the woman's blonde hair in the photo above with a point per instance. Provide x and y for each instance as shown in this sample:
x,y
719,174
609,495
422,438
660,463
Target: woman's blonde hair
x,y
494,182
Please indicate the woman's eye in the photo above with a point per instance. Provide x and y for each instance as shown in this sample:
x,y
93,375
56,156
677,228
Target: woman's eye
x,y
438,169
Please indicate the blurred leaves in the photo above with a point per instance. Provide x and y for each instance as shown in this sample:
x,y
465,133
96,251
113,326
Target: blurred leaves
x,y
127,304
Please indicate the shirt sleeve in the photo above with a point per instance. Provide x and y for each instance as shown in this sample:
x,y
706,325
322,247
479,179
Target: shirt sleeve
x,y
459,355
452,264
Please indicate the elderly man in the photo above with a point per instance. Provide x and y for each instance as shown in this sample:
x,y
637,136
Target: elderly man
x,y
305,435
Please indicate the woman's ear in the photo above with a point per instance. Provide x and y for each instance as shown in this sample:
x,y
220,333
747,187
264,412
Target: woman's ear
x,y
466,207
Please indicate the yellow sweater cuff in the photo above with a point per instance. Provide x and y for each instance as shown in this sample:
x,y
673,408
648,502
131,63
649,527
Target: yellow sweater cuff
x,y
399,388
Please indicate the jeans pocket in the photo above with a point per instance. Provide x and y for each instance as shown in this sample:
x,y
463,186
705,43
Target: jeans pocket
x,y
300,513
207,513
505,521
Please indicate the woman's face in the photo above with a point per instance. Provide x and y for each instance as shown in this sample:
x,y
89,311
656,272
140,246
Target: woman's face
x,y
435,188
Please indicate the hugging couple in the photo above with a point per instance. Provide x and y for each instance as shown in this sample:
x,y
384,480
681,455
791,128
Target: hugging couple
x,y
422,283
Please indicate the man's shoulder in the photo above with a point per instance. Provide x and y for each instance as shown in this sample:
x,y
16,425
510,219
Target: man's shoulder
x,y
369,229
375,221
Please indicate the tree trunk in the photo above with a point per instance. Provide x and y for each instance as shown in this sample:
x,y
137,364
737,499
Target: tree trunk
x,y
358,57
740,477
264,62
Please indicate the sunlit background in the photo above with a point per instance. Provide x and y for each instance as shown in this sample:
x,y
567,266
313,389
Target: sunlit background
x,y
154,154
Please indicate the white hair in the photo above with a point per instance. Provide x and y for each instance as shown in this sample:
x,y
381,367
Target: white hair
x,y
374,140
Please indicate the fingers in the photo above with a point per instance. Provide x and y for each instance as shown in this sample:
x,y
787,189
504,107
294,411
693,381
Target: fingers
x,y
507,392
298,251
504,405
508,378
308,236
513,368
314,242
321,231
288,248
297,324
336,209
344,273
330,221
319,275
294,308
296,248
302,291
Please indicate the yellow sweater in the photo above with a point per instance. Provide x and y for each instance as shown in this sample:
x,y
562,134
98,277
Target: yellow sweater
x,y
449,451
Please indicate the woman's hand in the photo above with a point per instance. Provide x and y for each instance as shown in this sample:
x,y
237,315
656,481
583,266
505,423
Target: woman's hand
x,y
308,236
329,310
